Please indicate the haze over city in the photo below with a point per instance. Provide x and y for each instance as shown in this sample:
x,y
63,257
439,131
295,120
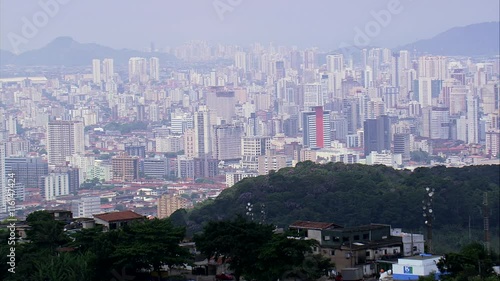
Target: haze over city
x,y
249,140
320,23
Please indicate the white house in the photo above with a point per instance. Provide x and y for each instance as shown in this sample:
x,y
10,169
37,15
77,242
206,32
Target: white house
x,y
411,268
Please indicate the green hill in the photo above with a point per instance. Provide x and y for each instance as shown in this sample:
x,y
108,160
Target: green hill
x,y
352,195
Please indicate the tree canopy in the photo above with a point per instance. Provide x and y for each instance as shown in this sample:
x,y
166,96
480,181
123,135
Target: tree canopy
x,y
255,252
348,194
473,260
352,195
91,254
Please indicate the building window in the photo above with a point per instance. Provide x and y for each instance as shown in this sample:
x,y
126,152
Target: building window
x,y
356,237
345,239
332,252
367,253
366,236
326,238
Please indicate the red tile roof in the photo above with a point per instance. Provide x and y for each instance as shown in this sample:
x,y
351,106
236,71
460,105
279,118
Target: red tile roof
x,y
314,225
119,216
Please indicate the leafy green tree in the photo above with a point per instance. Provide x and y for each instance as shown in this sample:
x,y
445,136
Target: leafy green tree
x,y
45,231
312,268
40,259
237,241
151,244
286,255
87,239
179,217
420,156
90,183
64,267
473,260
305,191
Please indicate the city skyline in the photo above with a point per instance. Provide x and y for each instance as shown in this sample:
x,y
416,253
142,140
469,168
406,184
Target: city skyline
x,y
323,25
147,125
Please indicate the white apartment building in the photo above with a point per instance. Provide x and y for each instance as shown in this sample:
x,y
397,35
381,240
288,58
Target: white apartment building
x,y
85,207
56,184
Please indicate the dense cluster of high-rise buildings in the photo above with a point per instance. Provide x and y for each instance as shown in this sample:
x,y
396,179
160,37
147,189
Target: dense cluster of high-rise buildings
x,y
242,112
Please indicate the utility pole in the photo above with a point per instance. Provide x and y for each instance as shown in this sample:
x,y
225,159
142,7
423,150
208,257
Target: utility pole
x,y
428,216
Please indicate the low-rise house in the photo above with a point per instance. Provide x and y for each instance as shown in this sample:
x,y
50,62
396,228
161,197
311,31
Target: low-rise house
x,y
347,247
115,220
411,268
61,215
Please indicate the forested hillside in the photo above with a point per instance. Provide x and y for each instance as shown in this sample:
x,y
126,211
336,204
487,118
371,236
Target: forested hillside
x,y
357,194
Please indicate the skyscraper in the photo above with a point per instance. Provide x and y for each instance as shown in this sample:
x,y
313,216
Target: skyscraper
x,y
280,69
335,63
64,138
227,142
316,128
154,69
136,69
96,71
56,184
222,102
169,203
402,145
125,168
108,71
434,67
28,171
472,119
404,60
202,132
377,134
240,60
312,95
425,91
395,70
310,59
251,148
436,123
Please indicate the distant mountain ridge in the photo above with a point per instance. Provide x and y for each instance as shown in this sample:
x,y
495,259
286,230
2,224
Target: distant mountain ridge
x,y
481,39
64,51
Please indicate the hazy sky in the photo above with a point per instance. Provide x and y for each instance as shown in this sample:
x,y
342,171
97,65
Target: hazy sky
x,y
305,23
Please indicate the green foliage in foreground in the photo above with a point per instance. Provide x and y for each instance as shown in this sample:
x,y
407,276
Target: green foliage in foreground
x,y
256,253
92,255
472,263
253,250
